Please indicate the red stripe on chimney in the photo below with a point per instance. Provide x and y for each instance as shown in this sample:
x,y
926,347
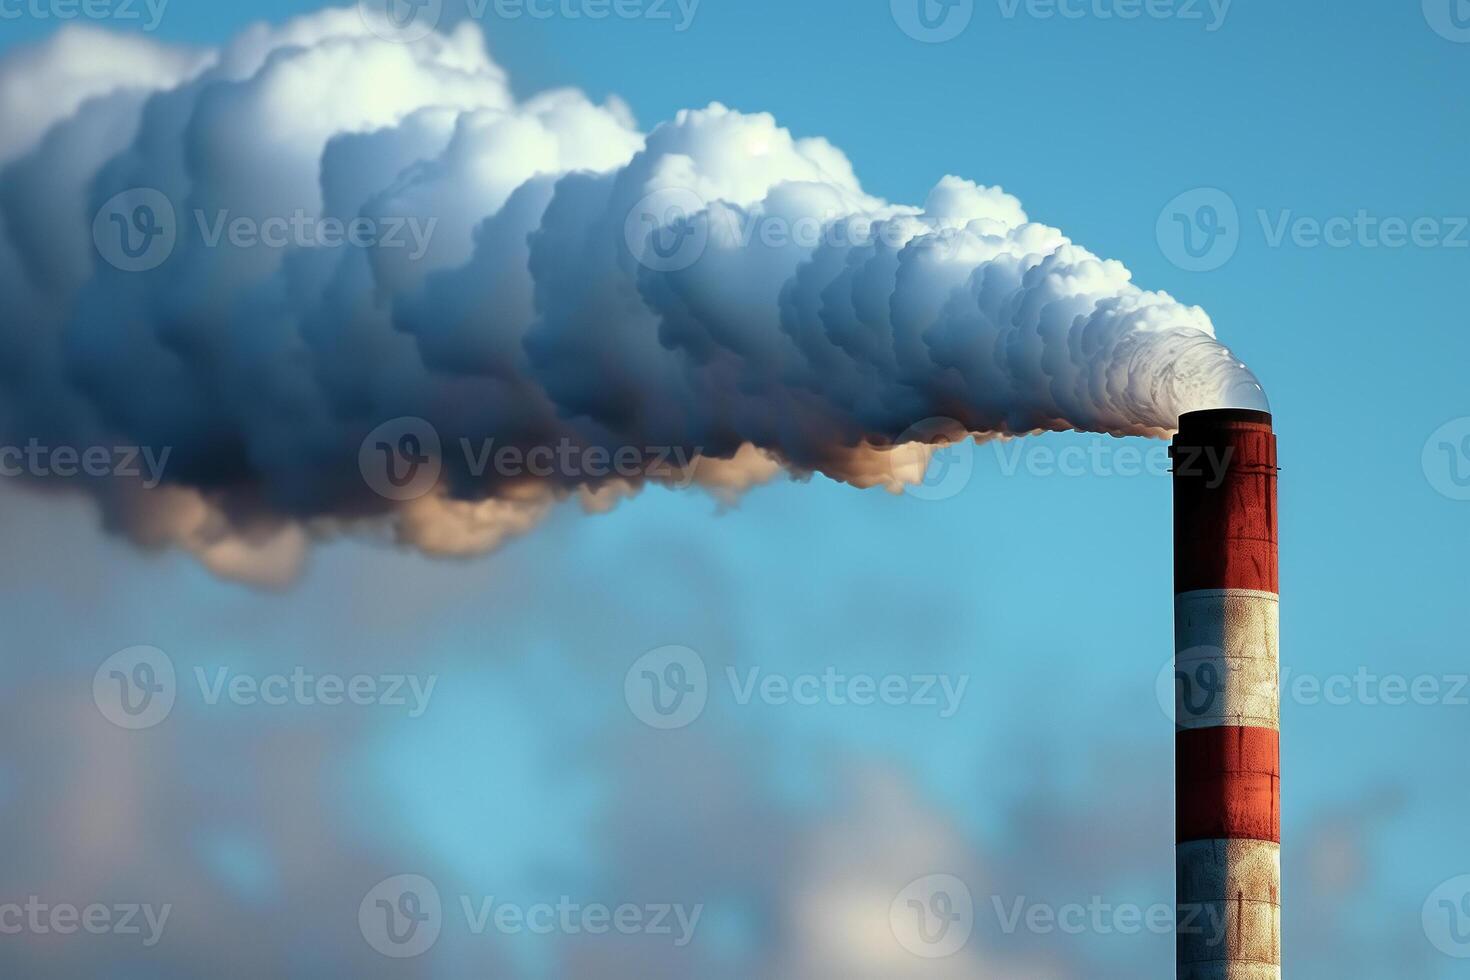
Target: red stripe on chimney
x,y
1229,784
1225,505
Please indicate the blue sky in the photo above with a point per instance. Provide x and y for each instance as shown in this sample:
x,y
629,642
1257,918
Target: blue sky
x,y
1052,594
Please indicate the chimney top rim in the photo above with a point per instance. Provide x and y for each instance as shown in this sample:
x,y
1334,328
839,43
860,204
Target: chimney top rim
x,y
1211,418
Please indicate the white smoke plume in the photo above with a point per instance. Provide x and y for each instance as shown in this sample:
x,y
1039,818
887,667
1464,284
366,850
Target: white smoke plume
x,y
330,281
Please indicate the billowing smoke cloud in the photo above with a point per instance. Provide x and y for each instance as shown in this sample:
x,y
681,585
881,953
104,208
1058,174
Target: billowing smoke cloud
x,y
319,281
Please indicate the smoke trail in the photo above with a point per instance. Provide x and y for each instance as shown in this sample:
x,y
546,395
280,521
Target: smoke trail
x,y
332,282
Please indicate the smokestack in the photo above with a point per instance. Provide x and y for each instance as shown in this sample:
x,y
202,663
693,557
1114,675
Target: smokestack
x,y
1227,697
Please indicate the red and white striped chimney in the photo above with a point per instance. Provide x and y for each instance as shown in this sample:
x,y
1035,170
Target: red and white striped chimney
x,y
1227,697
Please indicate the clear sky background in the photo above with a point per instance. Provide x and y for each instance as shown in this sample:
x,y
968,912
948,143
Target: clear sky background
x,y
529,778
